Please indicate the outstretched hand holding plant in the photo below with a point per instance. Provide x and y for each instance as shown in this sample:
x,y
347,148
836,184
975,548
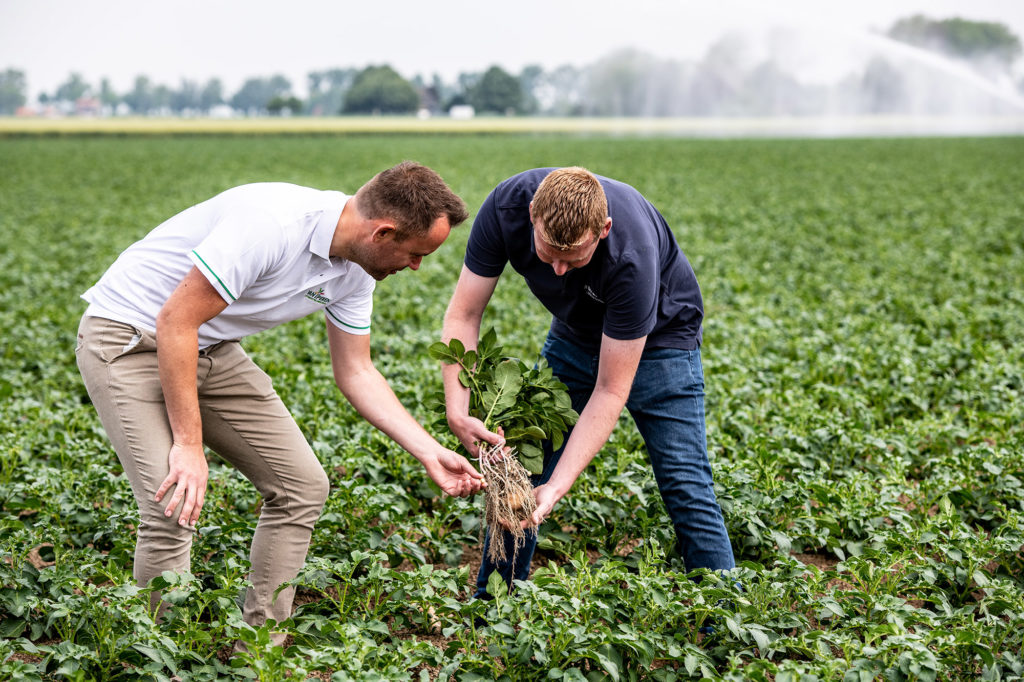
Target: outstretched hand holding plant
x,y
529,405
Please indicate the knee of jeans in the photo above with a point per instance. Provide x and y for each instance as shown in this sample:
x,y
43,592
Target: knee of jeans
x,y
307,492
319,487
164,534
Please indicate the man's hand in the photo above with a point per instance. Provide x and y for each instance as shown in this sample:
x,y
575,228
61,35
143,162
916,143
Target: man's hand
x,y
547,497
189,472
454,474
471,432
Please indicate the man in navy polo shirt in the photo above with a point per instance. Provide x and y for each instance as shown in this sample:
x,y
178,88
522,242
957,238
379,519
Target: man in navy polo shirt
x,y
625,332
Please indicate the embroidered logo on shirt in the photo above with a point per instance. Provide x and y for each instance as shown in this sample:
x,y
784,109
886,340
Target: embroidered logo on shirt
x,y
318,296
591,293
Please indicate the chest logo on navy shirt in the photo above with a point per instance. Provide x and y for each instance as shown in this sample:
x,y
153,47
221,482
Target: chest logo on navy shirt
x,y
591,293
318,296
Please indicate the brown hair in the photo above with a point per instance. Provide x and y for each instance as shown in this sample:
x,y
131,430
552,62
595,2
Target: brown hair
x,y
571,204
413,196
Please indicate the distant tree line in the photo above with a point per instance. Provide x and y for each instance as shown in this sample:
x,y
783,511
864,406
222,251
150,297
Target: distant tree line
x,y
982,40
624,83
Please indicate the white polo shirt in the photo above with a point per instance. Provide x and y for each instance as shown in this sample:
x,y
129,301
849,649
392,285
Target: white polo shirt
x,y
263,247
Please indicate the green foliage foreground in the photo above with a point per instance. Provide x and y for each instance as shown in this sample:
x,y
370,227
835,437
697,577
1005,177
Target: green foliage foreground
x,y
865,311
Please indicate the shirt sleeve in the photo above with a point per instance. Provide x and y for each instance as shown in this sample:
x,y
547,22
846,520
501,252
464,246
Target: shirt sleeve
x,y
632,304
241,247
353,313
486,254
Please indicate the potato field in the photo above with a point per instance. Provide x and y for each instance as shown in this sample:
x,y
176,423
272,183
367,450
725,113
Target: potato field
x,y
864,360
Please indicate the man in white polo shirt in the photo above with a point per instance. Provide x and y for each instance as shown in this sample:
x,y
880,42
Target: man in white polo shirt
x,y
158,350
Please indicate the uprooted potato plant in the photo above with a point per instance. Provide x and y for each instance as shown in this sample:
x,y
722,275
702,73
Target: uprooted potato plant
x,y
530,405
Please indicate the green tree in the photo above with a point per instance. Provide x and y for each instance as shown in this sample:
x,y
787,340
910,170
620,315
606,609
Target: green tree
x,y
141,97
458,94
212,94
429,92
380,89
561,91
959,37
497,91
12,90
277,105
256,93
108,97
162,96
72,89
187,96
530,80
327,90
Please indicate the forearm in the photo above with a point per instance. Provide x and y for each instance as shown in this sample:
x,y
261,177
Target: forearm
x,y
177,358
591,432
456,396
369,393
465,328
193,302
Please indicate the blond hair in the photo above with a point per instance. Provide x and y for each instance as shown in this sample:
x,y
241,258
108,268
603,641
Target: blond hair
x,y
571,205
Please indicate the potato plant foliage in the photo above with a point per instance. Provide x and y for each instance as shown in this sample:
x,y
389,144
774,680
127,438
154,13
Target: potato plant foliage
x,y
530,404
865,410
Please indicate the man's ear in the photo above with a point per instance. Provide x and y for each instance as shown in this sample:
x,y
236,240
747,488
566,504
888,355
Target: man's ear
x,y
607,228
383,231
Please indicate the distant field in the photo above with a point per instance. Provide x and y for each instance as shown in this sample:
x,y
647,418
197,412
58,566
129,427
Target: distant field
x,y
865,402
688,127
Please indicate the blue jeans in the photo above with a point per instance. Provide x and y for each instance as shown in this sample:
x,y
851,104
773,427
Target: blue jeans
x,y
667,404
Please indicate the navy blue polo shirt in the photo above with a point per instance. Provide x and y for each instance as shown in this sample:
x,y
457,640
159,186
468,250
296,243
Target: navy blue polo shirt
x,y
637,284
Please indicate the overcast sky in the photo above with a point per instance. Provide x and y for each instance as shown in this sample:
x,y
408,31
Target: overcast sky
x,y
233,40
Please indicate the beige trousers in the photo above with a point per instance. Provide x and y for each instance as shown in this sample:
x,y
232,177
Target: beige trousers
x,y
244,421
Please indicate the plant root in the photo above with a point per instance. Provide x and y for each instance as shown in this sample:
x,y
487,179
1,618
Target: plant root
x,y
509,501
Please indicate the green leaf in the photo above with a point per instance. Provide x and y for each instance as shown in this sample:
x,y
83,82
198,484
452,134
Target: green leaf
x,y
488,340
152,653
563,401
761,638
508,379
610,660
502,394
11,628
496,586
533,432
531,457
503,628
440,351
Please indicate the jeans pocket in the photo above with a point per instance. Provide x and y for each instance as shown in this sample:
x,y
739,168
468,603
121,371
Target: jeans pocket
x,y
110,340
696,368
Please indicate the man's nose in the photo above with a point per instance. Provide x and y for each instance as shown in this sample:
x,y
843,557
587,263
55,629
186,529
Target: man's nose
x,y
414,264
560,267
